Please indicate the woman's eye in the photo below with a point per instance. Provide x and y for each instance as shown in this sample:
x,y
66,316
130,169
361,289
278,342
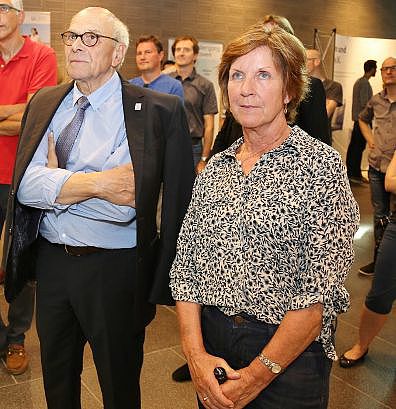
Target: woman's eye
x,y
236,75
264,75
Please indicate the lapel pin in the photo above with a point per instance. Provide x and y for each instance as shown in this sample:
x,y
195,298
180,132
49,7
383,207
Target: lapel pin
x,y
138,106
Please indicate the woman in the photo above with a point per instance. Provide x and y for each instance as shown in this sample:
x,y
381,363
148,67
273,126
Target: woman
x,y
311,115
382,294
266,243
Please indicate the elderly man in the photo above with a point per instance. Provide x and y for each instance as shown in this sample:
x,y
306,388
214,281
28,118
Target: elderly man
x,y
381,141
91,160
25,67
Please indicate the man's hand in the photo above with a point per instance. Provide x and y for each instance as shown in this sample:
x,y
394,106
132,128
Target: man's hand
x,y
370,143
200,166
117,185
52,158
367,133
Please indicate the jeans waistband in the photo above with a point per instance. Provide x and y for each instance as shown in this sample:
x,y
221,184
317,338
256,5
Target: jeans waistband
x,y
240,318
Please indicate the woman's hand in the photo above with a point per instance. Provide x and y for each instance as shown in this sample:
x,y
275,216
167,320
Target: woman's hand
x,y
253,379
201,367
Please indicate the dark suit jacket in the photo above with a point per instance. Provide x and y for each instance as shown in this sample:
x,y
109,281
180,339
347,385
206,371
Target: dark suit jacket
x,y
160,147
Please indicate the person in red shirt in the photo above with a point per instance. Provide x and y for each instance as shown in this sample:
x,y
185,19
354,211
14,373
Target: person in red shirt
x,y
25,67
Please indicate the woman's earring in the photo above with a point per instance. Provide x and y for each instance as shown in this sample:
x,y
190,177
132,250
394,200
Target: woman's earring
x,y
285,109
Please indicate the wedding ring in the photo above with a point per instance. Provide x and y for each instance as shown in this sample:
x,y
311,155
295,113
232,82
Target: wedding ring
x,y
205,398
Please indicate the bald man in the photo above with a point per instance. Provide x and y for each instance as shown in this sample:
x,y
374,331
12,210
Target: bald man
x,y
381,142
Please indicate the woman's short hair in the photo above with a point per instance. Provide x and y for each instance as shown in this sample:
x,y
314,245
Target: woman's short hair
x,y
288,55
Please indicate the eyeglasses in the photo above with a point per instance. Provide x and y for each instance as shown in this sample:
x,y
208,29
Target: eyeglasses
x,y
89,39
5,8
392,68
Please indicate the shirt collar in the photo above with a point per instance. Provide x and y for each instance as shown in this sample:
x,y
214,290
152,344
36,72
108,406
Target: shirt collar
x,y
383,94
102,94
25,50
156,79
192,75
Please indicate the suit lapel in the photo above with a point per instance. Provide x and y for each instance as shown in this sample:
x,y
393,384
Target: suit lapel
x,y
134,114
37,122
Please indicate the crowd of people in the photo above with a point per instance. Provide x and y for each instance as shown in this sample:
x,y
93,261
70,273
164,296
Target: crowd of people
x,y
114,198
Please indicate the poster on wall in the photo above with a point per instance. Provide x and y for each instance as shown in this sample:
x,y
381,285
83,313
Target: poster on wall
x,y
207,64
350,55
37,26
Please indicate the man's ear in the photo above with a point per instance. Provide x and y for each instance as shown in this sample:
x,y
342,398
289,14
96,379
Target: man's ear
x,y
21,17
119,54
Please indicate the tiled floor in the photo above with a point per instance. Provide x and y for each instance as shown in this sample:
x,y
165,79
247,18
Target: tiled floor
x,y
369,386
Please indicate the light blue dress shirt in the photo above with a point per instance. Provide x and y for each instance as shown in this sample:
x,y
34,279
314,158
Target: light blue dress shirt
x,y
101,144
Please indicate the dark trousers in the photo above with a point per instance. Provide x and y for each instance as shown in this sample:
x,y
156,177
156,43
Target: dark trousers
x,y
88,299
355,151
238,340
20,311
380,200
197,151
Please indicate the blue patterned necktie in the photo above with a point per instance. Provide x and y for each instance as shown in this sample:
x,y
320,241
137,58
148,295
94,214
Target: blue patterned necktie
x,y
67,137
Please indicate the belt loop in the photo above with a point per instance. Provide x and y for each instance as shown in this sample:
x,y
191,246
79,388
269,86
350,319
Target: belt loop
x,y
70,253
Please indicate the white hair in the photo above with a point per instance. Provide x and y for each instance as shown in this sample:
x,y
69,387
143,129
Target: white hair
x,y
120,30
18,4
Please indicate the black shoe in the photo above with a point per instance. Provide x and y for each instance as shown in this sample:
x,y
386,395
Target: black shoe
x,y
349,363
367,270
182,374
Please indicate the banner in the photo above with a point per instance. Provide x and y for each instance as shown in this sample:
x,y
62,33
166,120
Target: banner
x,y
349,58
37,26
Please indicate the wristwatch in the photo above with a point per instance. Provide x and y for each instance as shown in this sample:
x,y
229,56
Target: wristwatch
x,y
204,158
272,366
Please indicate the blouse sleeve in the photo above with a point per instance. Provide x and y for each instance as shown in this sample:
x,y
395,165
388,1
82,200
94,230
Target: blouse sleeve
x,y
326,251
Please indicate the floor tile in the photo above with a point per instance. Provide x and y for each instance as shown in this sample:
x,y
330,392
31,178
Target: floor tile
x,y
159,391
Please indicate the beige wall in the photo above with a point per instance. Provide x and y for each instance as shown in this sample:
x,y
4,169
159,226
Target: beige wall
x,y
222,20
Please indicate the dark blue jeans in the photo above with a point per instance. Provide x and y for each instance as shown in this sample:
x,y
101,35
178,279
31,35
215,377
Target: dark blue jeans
x,y
239,339
383,289
380,200
197,152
